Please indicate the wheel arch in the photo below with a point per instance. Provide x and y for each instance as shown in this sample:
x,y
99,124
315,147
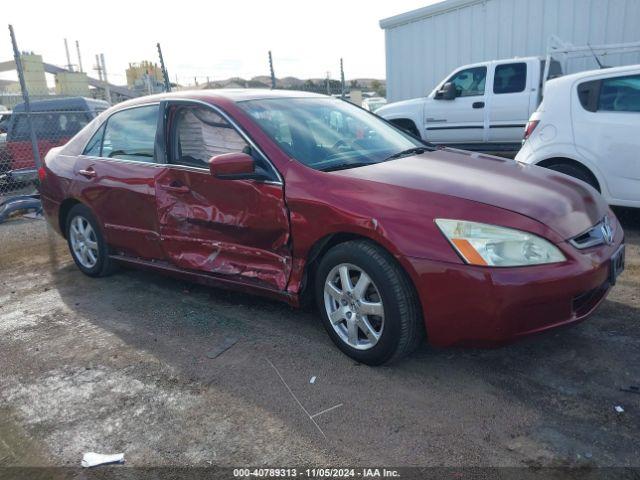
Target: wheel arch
x,y
326,243
407,124
63,212
547,162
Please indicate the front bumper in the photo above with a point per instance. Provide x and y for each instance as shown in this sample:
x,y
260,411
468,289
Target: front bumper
x,y
465,305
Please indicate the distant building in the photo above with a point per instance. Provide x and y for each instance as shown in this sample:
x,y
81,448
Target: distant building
x,y
145,77
72,84
34,76
424,45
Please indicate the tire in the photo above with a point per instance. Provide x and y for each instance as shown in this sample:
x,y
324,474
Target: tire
x,y
95,262
395,333
575,172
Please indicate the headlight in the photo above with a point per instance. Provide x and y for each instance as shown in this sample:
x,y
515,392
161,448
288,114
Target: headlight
x,y
490,245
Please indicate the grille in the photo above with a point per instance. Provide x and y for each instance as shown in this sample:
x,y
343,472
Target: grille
x,y
601,233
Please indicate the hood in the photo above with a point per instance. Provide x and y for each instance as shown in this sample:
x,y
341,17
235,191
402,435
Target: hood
x,y
402,107
567,206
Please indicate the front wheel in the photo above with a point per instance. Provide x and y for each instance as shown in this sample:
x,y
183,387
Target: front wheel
x,y
367,303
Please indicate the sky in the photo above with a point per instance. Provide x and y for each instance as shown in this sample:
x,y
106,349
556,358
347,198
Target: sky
x,y
218,39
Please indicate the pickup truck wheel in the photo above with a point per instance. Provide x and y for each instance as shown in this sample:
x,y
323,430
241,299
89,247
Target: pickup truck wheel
x,y
576,172
86,243
367,303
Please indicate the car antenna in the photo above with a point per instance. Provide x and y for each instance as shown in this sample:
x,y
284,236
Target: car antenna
x,y
596,57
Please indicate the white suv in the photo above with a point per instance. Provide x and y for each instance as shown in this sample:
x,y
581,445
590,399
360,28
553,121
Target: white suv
x,y
588,126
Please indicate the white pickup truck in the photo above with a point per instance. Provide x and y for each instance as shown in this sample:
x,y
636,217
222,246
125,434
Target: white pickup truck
x,y
482,107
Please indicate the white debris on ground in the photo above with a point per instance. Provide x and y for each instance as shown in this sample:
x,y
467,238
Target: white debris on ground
x,y
92,459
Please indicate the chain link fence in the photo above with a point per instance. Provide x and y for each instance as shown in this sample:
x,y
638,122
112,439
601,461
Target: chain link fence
x,y
33,120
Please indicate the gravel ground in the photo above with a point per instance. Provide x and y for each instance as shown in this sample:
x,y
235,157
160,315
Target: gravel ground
x,y
132,363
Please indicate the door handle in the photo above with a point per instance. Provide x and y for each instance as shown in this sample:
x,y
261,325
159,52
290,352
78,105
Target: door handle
x,y
89,172
177,188
478,105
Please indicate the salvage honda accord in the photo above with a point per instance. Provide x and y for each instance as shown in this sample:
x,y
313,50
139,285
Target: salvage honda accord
x,y
300,196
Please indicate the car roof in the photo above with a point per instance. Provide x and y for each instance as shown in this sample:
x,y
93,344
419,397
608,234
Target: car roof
x,y
66,103
601,73
230,94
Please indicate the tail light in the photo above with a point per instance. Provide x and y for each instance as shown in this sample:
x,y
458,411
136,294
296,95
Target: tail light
x,y
42,173
531,126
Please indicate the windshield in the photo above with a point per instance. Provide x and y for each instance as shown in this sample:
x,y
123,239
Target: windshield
x,y
328,134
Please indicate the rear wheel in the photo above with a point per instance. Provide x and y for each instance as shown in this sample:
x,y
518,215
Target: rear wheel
x,y
367,303
575,171
86,243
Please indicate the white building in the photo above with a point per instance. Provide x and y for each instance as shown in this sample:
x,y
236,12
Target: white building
x,y
424,45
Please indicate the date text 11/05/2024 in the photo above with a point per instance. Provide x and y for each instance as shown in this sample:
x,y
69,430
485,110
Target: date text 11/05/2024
x,y
316,473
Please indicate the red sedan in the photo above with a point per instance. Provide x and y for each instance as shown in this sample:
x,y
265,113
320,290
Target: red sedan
x,y
300,196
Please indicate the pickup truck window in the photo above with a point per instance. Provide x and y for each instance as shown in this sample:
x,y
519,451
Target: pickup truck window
x,y
469,82
510,78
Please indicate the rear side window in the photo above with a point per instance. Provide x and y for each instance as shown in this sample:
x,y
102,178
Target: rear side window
x,y
95,144
588,94
620,94
510,78
54,125
43,125
131,134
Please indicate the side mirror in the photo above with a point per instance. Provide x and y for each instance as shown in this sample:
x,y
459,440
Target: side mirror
x,y
232,166
447,92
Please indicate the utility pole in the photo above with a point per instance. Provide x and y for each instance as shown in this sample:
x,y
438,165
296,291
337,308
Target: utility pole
x,y
79,56
98,67
107,90
273,75
66,49
165,74
25,98
328,82
342,89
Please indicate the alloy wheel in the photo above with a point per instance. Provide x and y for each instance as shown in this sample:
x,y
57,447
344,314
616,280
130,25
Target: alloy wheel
x,y
354,306
83,242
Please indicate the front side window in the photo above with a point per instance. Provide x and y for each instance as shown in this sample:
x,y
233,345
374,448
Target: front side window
x,y
510,78
327,133
199,134
620,94
131,134
469,82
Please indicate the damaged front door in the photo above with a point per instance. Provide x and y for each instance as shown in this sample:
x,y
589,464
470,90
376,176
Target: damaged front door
x,y
237,228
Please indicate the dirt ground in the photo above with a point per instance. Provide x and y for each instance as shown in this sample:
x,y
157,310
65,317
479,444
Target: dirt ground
x,y
132,363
